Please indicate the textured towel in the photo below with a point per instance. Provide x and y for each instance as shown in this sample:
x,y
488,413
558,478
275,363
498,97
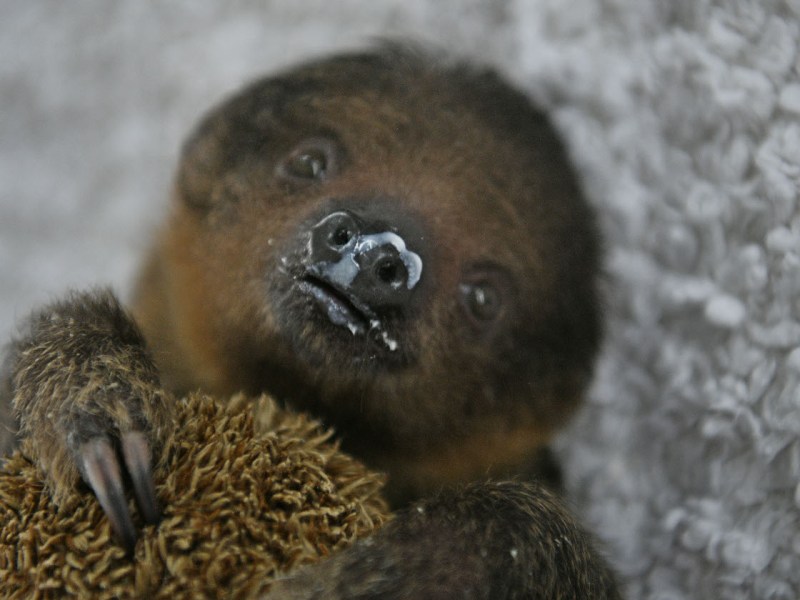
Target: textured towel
x,y
684,118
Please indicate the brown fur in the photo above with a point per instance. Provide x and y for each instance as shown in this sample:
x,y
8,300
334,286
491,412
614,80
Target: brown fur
x,y
439,387
89,352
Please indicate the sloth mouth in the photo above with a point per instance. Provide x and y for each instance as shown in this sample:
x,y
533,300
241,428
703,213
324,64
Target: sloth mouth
x,y
347,310
341,308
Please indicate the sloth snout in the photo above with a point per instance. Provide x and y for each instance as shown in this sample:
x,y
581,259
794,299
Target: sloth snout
x,y
371,262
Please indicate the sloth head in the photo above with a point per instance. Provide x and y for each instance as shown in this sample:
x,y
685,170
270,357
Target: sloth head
x,y
395,242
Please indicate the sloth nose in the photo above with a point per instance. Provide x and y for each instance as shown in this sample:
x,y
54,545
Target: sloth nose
x,y
371,266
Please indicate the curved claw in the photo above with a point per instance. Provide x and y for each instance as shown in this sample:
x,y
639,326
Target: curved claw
x,y
102,472
136,453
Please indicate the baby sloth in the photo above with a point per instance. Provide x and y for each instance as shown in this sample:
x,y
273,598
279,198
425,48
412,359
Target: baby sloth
x,y
394,243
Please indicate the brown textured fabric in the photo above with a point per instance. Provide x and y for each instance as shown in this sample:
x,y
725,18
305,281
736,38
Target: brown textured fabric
x,y
247,490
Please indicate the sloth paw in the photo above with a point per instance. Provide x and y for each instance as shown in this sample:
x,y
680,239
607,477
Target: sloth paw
x,y
89,405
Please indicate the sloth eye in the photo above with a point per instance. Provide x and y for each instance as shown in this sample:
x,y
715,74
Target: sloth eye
x,y
481,300
312,160
484,293
310,164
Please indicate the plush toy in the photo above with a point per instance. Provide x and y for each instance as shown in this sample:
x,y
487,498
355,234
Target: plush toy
x,y
248,490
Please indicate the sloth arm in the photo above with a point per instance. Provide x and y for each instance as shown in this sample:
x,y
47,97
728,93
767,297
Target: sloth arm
x,y
486,540
81,396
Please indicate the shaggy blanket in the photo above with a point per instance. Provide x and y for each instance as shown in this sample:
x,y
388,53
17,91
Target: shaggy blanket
x,y
684,119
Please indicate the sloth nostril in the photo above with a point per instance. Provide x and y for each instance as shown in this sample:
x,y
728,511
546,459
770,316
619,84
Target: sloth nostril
x,y
389,272
341,236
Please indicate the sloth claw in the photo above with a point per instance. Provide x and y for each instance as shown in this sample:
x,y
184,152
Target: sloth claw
x,y
136,453
101,470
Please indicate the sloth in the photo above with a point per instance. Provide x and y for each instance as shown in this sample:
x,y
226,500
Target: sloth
x,y
394,242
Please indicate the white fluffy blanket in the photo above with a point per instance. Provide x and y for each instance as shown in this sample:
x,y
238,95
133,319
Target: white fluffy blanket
x,y
684,118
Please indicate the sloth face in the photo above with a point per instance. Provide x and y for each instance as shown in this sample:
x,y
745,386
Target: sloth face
x,y
389,240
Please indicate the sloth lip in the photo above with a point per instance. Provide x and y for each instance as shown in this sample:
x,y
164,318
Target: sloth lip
x,y
341,308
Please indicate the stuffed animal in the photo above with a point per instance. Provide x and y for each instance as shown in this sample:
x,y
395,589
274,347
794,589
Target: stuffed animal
x,y
248,490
